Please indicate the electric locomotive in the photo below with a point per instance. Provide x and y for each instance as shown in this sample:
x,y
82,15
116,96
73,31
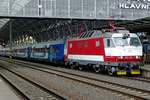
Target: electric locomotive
x,y
114,51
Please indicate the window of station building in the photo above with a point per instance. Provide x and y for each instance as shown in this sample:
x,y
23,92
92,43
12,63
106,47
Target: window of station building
x,y
40,8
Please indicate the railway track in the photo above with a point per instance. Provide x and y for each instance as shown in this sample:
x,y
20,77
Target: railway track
x,y
14,88
138,78
131,92
28,89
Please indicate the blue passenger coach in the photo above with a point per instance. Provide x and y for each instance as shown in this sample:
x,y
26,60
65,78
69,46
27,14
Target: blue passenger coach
x,y
52,51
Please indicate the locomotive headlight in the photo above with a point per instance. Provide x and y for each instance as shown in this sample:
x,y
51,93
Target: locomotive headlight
x,y
121,57
137,57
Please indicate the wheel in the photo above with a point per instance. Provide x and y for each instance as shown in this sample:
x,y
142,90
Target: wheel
x,y
66,64
96,68
72,66
111,70
80,68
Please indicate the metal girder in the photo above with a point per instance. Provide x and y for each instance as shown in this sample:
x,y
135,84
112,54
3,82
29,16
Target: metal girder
x,y
39,28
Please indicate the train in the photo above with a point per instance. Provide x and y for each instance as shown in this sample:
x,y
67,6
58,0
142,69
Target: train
x,y
116,52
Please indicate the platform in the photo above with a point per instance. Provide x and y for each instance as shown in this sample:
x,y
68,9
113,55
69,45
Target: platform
x,y
146,67
146,70
6,93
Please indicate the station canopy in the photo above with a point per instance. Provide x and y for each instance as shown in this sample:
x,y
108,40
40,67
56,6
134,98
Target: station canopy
x,y
76,9
34,16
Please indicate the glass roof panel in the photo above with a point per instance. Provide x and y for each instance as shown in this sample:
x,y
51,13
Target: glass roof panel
x,y
81,9
3,22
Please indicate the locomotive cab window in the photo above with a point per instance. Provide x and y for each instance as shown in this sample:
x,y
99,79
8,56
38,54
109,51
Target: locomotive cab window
x,y
119,41
134,41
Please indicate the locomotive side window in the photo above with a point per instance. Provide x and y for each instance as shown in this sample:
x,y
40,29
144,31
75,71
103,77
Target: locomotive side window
x,y
97,43
109,43
70,45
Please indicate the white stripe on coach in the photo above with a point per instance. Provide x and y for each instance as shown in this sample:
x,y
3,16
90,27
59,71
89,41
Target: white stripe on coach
x,y
87,57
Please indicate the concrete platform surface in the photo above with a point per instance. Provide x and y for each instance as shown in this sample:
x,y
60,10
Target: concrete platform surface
x,y
6,93
146,67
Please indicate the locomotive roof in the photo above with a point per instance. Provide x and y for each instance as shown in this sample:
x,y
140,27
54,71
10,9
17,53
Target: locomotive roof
x,y
99,33
109,34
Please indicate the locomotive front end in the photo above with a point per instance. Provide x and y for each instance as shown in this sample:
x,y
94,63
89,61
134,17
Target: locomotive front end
x,y
125,54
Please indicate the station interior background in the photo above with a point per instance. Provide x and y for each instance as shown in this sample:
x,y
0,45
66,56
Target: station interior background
x,y
32,21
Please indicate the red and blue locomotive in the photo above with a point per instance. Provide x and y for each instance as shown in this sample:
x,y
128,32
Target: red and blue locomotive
x,y
117,52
